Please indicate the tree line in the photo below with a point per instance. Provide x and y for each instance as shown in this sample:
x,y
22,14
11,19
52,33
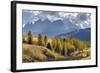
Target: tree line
x,y
63,46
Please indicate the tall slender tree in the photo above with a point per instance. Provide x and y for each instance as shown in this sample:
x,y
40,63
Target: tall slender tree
x,y
64,50
40,40
30,38
45,40
54,44
59,46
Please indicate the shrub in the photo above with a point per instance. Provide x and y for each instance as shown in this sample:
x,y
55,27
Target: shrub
x,y
24,40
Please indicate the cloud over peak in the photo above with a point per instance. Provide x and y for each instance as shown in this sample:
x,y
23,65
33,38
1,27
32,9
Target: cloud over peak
x,y
79,19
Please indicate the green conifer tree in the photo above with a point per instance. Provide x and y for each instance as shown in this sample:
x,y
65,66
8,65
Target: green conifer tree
x,y
30,38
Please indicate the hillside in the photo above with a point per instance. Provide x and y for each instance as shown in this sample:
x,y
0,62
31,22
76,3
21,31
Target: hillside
x,y
33,53
82,34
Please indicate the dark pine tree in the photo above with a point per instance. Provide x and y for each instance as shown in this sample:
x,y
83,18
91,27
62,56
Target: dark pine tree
x,y
40,40
30,38
49,46
45,40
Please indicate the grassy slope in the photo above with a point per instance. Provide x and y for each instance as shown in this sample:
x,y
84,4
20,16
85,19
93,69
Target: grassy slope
x,y
37,53
33,53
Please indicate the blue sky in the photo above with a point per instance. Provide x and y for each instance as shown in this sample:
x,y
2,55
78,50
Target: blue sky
x,y
63,21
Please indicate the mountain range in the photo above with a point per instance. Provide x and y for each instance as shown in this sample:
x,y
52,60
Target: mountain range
x,y
57,29
82,34
49,28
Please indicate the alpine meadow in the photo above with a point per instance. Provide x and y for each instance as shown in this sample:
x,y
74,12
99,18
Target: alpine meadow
x,y
55,36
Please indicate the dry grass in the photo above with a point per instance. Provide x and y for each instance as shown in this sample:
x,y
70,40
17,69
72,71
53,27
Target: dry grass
x,y
34,53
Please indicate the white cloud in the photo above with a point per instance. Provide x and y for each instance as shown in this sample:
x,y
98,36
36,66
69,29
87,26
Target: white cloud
x,y
81,25
66,15
24,25
53,18
77,24
86,22
36,12
35,19
73,17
